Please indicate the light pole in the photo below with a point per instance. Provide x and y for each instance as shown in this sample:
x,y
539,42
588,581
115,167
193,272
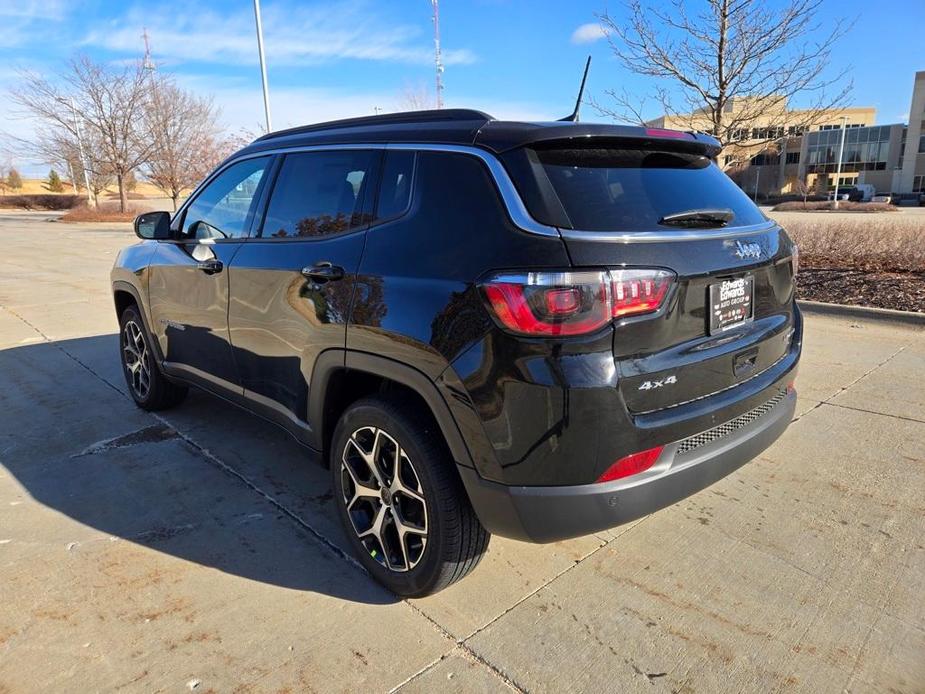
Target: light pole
x,y
80,145
841,151
263,64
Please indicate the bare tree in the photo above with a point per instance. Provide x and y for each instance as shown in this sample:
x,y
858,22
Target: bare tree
x,y
107,104
729,65
58,147
186,142
415,97
802,188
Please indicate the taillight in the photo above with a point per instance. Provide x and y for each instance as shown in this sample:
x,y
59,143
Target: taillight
x,y
550,303
559,304
631,464
638,291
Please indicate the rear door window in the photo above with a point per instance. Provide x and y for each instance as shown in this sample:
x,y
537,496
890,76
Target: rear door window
x,y
633,189
320,194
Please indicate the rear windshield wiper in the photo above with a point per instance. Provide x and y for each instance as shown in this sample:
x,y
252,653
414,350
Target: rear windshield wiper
x,y
699,218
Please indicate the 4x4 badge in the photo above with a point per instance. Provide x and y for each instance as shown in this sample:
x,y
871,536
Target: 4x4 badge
x,y
748,250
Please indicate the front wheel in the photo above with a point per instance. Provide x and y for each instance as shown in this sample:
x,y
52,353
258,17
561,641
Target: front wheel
x,y
400,499
148,387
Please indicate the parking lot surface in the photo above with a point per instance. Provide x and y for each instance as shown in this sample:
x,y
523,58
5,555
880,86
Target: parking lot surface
x,y
198,550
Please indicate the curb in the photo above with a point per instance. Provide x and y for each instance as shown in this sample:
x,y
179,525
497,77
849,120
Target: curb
x,y
880,315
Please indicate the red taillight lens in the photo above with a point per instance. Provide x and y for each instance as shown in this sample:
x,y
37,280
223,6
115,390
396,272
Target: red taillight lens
x,y
631,464
550,303
638,291
676,134
560,304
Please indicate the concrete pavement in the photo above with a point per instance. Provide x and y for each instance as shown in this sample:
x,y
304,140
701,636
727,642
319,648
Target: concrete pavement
x,y
197,550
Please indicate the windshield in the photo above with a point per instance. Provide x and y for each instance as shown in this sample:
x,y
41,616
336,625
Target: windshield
x,y
633,189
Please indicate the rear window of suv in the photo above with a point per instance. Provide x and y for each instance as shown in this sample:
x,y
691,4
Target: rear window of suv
x,y
632,189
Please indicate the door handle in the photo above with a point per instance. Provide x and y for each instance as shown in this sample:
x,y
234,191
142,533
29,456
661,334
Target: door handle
x,y
323,272
210,266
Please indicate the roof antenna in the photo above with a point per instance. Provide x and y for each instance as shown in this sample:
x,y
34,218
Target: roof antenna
x,y
573,116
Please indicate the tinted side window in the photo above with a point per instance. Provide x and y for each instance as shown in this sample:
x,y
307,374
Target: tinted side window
x,y
319,193
224,208
395,188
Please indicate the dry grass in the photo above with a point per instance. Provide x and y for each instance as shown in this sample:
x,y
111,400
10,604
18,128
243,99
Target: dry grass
x,y
36,186
894,244
130,196
843,206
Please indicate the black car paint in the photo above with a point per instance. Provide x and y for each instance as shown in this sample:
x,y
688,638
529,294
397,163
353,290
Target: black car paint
x,y
519,411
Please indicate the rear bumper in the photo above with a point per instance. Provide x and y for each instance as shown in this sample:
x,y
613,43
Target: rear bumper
x,y
547,514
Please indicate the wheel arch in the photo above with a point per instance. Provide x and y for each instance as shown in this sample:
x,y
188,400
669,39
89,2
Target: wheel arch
x,y
342,377
124,295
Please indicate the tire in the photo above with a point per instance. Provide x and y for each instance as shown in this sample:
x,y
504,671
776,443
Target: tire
x,y
427,495
148,387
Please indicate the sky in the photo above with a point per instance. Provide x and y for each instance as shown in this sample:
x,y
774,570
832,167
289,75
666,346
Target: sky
x,y
516,59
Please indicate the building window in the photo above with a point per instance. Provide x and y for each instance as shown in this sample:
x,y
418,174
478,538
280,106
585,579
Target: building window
x,y
793,157
763,159
918,184
866,149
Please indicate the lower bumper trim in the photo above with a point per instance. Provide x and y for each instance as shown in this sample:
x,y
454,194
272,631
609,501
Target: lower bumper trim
x,y
549,514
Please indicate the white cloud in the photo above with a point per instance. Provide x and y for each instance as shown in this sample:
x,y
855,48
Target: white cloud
x,y
25,21
589,33
294,36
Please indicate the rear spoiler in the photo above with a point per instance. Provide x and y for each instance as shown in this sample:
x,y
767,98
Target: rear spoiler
x,y
503,136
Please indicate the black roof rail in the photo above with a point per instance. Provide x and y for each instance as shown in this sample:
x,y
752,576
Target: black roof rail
x,y
446,114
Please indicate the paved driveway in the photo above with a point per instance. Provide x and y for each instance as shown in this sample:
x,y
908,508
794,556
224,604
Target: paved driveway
x,y
198,549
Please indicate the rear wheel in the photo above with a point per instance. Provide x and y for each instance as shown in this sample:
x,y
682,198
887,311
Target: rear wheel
x,y
400,499
148,387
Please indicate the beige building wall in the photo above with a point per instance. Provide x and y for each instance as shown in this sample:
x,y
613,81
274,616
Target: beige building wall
x,y
914,160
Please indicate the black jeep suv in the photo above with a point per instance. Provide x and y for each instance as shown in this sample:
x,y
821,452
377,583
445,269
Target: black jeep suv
x,y
538,330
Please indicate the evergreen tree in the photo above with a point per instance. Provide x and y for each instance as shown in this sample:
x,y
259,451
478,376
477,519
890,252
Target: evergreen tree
x,y
54,183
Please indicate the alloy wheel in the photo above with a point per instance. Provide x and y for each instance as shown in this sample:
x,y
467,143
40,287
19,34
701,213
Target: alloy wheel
x,y
384,499
136,358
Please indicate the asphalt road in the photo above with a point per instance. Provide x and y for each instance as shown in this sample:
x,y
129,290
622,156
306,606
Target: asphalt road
x,y
198,550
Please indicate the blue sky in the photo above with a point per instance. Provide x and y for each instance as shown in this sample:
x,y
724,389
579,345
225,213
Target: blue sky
x,y
512,58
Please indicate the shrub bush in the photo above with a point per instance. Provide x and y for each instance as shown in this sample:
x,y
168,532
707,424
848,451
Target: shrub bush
x,y
843,206
892,244
41,201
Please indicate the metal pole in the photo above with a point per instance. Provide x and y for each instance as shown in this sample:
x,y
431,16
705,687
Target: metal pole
x,y
70,172
757,176
438,59
263,64
841,151
80,152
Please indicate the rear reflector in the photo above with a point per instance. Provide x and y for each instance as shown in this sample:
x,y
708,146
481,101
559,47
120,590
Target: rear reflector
x,y
560,304
631,465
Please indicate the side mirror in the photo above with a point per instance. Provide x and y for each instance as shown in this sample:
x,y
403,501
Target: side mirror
x,y
153,225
